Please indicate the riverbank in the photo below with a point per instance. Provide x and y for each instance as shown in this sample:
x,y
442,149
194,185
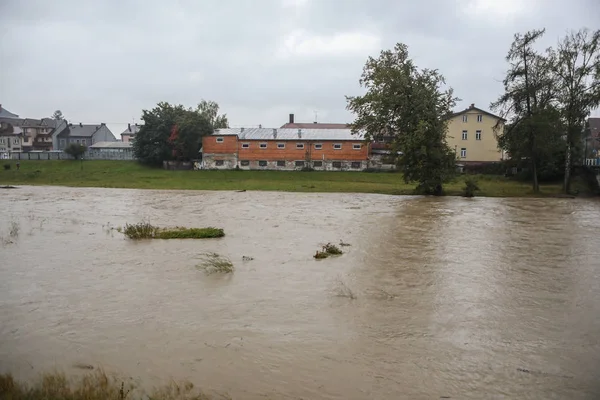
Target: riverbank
x,y
130,174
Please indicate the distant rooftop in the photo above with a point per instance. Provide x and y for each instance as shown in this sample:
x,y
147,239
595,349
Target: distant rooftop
x,y
289,134
131,129
83,130
4,113
314,125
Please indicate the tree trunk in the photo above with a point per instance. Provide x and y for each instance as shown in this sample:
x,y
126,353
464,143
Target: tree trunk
x,y
567,183
536,185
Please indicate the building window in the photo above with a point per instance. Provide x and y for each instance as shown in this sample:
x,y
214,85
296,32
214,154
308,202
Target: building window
x,y
15,141
337,164
380,140
219,163
281,145
262,163
318,146
220,140
317,164
477,135
299,163
463,153
299,145
262,145
26,139
281,163
245,145
337,146
244,163
465,118
465,135
62,142
356,146
479,118
355,165
1,141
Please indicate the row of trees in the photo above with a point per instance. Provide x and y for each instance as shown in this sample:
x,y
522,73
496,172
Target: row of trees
x,y
174,132
548,96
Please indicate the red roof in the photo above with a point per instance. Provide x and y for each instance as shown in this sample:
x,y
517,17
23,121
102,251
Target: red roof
x,y
314,125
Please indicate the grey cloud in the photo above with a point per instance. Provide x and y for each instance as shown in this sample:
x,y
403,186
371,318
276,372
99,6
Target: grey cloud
x,y
106,61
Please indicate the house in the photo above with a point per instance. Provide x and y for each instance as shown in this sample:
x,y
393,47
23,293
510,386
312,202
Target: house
x,y
472,133
592,138
83,134
129,134
37,133
285,149
10,139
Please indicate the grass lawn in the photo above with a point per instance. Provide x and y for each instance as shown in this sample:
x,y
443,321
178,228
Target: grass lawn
x,y
130,174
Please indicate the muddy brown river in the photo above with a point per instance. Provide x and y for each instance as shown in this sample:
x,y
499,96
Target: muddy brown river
x,y
435,298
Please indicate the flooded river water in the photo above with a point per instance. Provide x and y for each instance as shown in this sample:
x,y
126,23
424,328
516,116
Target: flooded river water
x,y
435,297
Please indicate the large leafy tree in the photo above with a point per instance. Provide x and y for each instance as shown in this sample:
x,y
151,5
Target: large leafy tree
x,y
411,106
210,110
576,67
529,103
170,132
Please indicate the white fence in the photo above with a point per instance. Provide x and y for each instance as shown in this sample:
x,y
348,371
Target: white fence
x,y
592,162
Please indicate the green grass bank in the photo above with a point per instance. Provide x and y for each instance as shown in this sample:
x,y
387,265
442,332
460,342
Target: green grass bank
x,y
130,174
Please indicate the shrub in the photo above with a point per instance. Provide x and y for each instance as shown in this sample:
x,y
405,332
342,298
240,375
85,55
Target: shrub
x,y
214,263
332,249
470,187
142,230
75,150
319,255
6,166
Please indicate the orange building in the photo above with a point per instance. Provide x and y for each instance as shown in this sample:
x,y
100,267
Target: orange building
x,y
285,149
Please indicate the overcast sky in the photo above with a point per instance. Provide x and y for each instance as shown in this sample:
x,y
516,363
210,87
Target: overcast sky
x,y
105,61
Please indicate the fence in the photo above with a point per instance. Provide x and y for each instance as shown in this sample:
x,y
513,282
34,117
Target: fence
x,y
592,162
59,155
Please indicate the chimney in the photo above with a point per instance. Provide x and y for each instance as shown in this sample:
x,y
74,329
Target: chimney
x,y
102,123
274,133
259,126
291,118
242,130
472,105
300,133
129,127
80,124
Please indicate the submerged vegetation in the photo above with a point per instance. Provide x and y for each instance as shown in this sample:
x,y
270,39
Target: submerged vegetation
x,y
214,263
145,230
327,250
96,385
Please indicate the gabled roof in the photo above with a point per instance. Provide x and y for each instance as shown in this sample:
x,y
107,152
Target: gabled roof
x,y
314,125
4,113
289,134
131,129
472,108
83,130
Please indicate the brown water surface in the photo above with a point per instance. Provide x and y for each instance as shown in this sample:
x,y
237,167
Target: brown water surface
x,y
465,298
